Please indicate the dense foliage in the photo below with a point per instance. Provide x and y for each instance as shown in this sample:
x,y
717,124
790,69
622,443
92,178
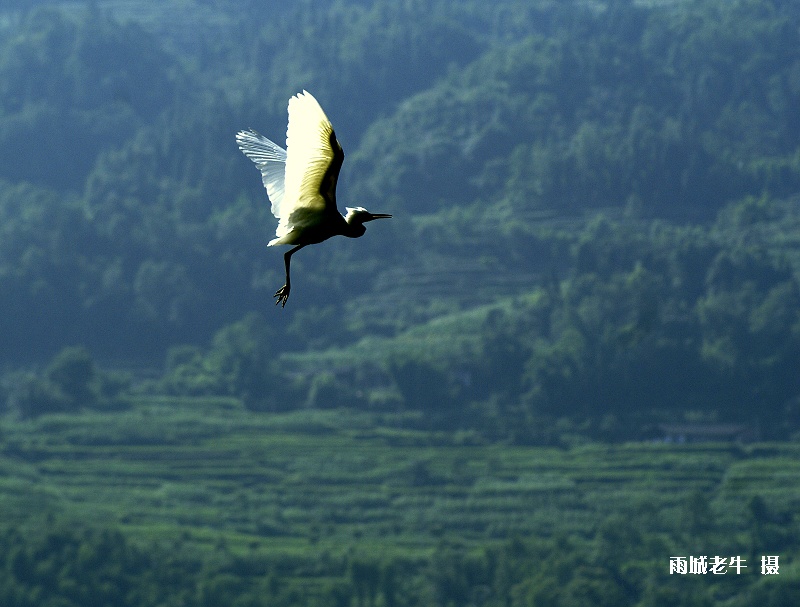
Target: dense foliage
x,y
596,233
602,196
66,568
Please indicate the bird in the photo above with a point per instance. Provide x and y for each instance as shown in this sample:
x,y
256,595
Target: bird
x,y
301,182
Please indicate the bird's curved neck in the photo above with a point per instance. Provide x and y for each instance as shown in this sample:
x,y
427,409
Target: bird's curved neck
x,y
354,229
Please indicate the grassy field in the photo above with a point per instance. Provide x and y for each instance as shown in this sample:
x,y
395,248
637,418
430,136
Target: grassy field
x,y
205,471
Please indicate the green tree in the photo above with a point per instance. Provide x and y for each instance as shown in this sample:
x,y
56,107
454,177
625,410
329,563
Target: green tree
x,y
239,362
73,374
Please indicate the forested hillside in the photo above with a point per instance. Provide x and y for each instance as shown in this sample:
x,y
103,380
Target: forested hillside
x,y
490,400
595,208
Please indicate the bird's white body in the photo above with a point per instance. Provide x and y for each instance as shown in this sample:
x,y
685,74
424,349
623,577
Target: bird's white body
x,y
301,180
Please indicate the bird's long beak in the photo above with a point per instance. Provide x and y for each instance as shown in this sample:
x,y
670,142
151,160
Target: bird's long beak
x,y
379,216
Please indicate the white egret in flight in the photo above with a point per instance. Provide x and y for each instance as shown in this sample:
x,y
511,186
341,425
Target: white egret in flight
x,y
301,181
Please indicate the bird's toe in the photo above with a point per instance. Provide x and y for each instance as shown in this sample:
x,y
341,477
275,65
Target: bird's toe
x,y
281,295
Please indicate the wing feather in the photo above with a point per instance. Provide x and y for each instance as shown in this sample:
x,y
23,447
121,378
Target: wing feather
x,y
270,158
314,156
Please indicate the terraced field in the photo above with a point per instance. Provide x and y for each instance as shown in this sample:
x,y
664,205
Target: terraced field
x,y
205,471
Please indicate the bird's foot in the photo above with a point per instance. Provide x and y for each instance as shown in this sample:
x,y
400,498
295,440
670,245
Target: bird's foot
x,y
281,295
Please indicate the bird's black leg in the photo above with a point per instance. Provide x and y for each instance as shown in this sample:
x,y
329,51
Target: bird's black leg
x,y
282,294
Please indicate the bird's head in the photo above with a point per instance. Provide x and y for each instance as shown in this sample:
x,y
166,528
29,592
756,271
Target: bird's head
x,y
357,216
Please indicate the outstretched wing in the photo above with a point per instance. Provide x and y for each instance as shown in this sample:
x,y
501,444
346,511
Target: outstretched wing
x,y
301,180
314,159
270,158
